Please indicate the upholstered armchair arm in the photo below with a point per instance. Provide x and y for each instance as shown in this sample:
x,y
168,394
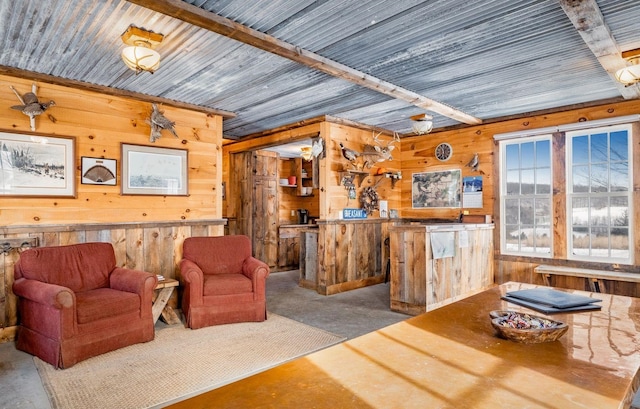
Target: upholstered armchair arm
x,y
133,281
137,282
53,307
194,282
52,295
257,271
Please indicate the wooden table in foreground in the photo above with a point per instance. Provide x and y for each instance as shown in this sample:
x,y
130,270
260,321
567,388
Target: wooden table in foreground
x,y
450,358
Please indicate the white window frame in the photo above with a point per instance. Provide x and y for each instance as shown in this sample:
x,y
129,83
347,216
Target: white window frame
x,y
503,194
570,194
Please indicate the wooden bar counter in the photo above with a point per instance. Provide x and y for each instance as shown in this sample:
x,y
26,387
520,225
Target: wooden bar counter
x,y
350,254
422,281
451,358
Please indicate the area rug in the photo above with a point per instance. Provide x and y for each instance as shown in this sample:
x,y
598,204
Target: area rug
x,y
180,363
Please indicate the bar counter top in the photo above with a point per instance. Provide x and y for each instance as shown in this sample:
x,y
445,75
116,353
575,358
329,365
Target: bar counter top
x,y
451,358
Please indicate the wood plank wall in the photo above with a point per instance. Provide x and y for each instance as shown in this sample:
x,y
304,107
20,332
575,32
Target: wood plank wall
x,y
154,247
253,144
333,196
418,156
99,124
336,197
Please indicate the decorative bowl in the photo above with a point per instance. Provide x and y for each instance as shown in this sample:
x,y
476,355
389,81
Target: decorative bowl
x,y
526,328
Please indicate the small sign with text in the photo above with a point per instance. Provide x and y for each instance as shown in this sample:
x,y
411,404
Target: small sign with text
x,y
354,214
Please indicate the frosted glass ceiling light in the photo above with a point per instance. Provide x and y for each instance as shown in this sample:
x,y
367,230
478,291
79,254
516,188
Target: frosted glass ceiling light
x,y
140,58
630,75
140,55
306,153
422,124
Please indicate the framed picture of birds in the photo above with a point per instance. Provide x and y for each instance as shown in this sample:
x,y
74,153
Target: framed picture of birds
x,y
150,170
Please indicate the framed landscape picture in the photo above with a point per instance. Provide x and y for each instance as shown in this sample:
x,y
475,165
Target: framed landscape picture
x,y
37,165
147,170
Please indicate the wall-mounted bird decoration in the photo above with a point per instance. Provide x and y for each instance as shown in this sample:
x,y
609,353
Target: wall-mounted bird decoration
x,y
158,122
349,154
474,163
31,106
317,148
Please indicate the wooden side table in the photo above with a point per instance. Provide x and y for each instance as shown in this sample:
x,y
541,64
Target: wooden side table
x,y
160,307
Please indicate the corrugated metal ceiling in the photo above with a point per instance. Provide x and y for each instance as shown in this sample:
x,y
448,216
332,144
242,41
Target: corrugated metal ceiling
x,y
489,59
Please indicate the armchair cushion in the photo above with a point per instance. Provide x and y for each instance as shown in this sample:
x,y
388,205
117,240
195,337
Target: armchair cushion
x,y
224,284
100,303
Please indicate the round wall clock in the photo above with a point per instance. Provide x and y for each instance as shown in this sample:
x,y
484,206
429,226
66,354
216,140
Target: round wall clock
x,y
444,151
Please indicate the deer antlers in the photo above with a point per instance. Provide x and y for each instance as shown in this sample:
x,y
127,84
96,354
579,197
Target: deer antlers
x,y
379,152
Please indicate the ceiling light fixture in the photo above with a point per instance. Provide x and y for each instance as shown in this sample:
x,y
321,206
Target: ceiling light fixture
x,y
630,74
305,152
422,124
140,55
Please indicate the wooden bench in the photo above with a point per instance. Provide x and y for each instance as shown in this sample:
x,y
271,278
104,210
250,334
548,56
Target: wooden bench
x,y
595,278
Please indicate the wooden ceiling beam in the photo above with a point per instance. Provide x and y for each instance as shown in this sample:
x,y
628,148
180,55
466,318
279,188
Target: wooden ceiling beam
x,y
210,21
589,21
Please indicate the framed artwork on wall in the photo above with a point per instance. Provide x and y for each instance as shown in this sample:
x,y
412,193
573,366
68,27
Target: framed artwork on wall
x,y
98,171
147,170
37,165
436,189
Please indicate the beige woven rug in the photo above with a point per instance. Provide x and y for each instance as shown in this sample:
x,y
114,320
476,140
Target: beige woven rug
x,y
180,363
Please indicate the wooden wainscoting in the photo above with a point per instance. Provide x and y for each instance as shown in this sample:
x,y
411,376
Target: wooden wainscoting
x,y
155,247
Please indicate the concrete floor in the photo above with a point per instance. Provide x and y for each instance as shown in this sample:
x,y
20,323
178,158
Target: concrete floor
x,y
350,314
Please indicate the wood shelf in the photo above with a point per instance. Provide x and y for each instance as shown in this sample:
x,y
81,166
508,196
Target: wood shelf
x,y
307,181
360,174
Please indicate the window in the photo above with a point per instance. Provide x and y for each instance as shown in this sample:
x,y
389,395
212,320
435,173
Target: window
x,y
599,188
525,196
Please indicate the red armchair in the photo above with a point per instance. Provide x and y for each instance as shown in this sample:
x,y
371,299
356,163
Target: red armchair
x,y
75,303
222,282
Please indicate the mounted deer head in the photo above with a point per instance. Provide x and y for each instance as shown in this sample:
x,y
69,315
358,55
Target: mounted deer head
x,y
385,151
379,153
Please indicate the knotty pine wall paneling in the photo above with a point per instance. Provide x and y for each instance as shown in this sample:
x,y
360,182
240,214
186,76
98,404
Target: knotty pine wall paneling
x,y
253,144
99,125
418,156
332,195
336,197
146,231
